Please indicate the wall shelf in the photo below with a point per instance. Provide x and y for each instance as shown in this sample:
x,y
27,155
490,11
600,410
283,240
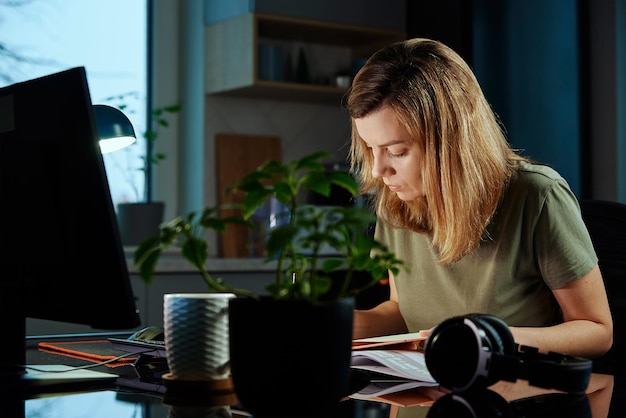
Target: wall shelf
x,y
232,55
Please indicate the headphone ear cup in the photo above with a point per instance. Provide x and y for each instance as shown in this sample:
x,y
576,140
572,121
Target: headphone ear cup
x,y
456,353
499,341
441,353
501,329
452,352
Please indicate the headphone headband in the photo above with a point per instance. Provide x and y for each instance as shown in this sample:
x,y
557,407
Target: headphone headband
x,y
554,370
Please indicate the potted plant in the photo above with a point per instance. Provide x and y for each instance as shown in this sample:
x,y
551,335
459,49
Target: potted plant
x,y
141,219
303,325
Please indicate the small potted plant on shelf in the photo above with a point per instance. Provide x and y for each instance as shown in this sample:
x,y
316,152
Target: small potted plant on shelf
x,y
140,218
303,325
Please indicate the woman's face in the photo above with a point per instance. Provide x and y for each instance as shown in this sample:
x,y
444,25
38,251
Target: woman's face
x,y
396,157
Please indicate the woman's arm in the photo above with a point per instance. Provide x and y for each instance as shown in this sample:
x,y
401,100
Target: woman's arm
x,y
587,330
384,319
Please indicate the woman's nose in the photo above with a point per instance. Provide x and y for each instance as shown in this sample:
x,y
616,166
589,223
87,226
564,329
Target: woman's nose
x,y
378,168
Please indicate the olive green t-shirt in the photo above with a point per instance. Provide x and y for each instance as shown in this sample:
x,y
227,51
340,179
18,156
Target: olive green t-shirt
x,y
536,241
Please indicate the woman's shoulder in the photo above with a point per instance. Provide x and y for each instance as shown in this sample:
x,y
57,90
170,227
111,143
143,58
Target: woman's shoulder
x,y
537,173
534,184
537,179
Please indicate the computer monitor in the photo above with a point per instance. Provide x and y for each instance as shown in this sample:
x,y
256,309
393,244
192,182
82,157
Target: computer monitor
x,y
61,258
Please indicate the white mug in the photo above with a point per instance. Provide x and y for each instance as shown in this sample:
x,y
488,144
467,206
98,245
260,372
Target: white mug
x,y
196,335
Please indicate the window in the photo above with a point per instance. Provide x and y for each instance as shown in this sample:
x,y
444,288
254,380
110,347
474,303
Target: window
x,y
108,38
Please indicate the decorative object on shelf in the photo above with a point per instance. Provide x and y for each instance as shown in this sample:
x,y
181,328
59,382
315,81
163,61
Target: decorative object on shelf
x,y
307,284
343,81
301,73
272,63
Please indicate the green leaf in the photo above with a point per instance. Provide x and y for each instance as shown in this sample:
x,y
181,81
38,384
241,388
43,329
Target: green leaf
x,y
252,182
253,200
144,248
332,264
280,237
345,181
322,285
148,265
195,250
284,193
317,182
311,161
272,167
172,109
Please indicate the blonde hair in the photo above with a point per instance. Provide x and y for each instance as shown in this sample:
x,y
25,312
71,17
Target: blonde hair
x,y
467,161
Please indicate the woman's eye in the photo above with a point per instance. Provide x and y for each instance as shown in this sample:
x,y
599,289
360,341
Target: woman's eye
x,y
396,155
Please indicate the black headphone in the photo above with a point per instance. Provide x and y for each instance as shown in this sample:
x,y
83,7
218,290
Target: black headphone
x,y
478,350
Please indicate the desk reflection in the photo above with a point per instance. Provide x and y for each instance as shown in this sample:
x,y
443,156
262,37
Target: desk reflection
x,y
519,399
605,398
502,400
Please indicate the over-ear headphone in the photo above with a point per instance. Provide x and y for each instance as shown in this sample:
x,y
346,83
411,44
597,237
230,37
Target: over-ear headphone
x,y
478,350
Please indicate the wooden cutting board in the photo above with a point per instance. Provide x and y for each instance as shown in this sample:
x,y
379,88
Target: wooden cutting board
x,y
237,155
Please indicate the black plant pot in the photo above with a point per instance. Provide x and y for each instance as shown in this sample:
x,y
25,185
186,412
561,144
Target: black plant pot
x,y
138,221
290,358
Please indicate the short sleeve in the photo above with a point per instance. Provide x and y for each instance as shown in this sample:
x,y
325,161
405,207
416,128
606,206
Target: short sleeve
x,y
564,249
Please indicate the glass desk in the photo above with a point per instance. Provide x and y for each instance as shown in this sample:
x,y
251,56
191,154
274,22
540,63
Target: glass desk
x,y
122,403
606,398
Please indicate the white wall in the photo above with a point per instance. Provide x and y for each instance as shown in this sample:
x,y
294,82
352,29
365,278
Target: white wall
x,y
302,127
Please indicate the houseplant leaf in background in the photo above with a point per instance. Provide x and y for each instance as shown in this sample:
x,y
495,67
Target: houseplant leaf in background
x,y
297,245
188,234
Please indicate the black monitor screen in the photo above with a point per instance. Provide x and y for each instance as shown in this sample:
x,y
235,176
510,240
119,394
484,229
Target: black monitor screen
x,y
60,254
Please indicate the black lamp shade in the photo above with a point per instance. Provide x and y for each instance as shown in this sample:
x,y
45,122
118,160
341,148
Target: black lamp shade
x,y
114,128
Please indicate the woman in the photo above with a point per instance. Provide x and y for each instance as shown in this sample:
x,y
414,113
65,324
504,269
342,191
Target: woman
x,y
480,228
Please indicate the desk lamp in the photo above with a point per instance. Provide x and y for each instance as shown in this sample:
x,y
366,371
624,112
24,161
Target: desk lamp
x,y
114,129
